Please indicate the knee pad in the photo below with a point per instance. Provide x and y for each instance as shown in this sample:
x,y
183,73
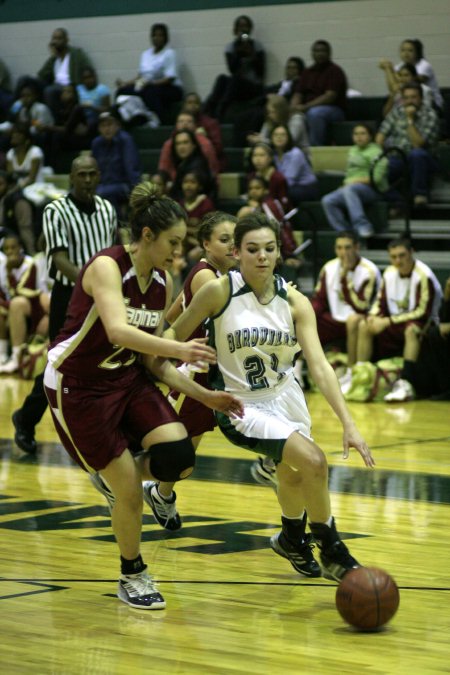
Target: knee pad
x,y
169,460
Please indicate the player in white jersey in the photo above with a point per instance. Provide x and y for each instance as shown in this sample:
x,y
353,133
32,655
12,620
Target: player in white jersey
x,y
258,323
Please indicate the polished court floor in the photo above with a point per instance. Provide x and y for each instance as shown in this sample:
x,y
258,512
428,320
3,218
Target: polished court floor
x,y
233,606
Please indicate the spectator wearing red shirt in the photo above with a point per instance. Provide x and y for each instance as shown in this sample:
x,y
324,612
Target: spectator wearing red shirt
x,y
320,93
205,124
262,164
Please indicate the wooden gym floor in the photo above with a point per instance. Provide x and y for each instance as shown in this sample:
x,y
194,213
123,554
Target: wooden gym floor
x,y
233,606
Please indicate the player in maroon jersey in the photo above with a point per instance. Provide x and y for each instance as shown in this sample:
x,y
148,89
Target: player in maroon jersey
x,y
97,382
215,236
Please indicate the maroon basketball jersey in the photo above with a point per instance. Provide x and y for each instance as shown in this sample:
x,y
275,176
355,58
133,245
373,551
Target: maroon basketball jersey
x,y
187,293
82,348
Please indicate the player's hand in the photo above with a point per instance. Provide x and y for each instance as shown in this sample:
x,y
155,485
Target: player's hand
x,y
225,403
196,350
353,439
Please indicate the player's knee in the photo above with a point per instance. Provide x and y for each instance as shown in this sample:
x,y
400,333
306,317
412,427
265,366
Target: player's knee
x,y
172,461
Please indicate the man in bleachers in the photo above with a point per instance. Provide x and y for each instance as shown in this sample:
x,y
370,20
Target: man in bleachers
x,y
64,66
345,291
320,93
408,299
413,128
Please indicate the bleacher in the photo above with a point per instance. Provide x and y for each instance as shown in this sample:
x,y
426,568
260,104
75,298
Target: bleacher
x,y
429,226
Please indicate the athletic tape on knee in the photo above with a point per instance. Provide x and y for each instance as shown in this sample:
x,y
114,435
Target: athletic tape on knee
x,y
169,460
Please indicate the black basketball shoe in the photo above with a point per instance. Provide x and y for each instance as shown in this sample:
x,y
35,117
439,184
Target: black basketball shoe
x,y
335,557
299,555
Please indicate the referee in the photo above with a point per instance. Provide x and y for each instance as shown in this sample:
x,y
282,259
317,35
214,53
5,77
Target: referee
x,y
75,228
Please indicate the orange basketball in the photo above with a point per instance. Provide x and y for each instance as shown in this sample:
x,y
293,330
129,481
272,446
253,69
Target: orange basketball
x,y
367,598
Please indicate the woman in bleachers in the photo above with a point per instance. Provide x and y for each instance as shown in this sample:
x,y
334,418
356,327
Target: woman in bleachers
x,y
262,165
157,81
24,160
345,207
205,124
187,157
395,80
292,163
411,51
278,113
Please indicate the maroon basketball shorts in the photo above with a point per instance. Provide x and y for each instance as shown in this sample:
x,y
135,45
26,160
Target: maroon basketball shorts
x,y
196,417
391,341
97,419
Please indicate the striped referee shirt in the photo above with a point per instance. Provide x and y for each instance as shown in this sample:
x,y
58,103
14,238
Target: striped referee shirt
x,y
80,229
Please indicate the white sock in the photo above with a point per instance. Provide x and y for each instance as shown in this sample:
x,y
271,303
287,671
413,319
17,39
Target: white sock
x,y
294,517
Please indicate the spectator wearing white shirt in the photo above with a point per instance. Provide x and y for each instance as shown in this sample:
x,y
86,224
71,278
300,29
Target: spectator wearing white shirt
x,y
157,82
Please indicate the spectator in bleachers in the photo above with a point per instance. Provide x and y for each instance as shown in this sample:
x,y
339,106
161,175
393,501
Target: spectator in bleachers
x,y
293,164
292,70
6,96
277,112
409,297
187,157
344,293
157,81
245,59
64,66
411,51
196,204
320,93
186,121
93,96
118,160
70,130
24,160
395,80
344,207
259,200
22,309
161,180
16,213
28,109
263,165
414,128
205,124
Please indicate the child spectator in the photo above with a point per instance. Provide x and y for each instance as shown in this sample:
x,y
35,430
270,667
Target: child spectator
x,y
94,97
262,163
196,204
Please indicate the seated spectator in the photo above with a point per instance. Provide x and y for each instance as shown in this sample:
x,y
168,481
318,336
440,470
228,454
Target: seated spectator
x,y
27,109
187,157
428,375
205,124
16,213
278,113
292,163
186,121
63,67
263,165
344,293
320,94
409,297
196,204
411,51
245,59
292,70
24,160
93,97
395,80
157,81
23,305
260,201
70,130
414,128
6,96
345,207
161,180
118,161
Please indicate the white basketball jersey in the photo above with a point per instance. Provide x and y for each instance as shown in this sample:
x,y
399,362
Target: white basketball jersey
x,y
256,343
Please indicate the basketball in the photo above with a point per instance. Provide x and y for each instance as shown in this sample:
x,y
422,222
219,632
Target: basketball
x,y
367,598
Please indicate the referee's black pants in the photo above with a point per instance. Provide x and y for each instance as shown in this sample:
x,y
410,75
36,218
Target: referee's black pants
x,y
35,403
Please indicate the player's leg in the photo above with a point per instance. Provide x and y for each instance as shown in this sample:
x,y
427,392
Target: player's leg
x,y
352,325
303,454
136,587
